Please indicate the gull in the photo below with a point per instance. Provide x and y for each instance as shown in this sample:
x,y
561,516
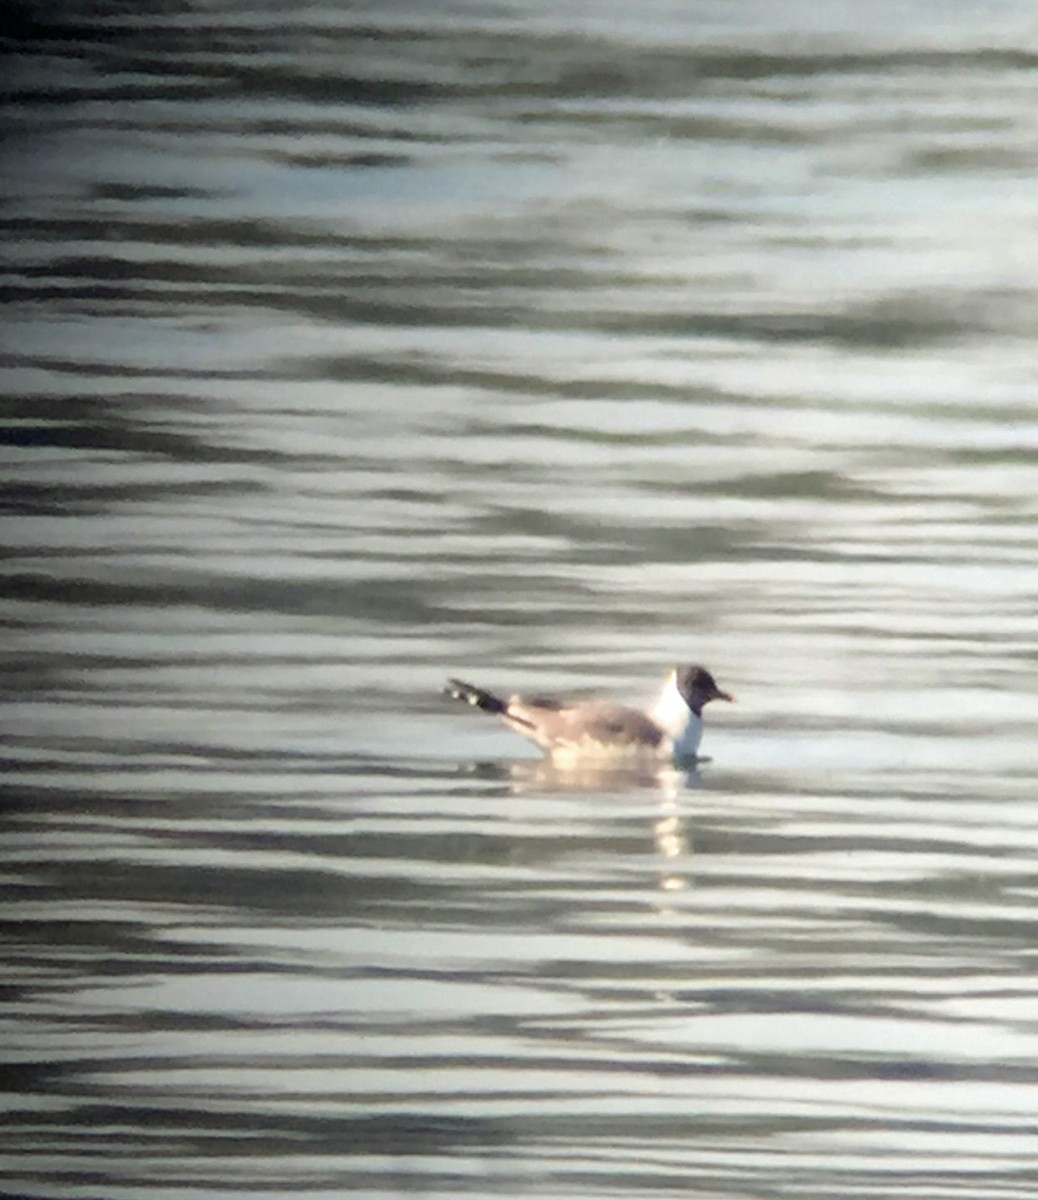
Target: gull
x,y
671,728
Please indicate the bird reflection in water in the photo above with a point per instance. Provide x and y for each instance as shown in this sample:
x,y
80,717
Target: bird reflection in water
x,y
670,830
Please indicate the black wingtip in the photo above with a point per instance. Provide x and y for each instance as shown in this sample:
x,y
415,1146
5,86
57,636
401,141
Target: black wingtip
x,y
486,701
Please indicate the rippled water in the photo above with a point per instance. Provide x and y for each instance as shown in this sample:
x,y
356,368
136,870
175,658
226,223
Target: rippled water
x,y
351,347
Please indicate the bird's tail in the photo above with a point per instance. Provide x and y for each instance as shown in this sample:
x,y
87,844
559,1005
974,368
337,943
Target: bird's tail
x,y
477,697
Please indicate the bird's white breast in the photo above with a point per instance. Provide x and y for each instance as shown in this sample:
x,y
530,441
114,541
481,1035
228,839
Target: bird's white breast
x,y
673,715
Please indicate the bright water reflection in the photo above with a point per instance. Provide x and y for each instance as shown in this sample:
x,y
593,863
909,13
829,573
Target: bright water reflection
x,y
347,350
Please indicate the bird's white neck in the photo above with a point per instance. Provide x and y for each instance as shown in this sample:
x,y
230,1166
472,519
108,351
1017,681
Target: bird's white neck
x,y
673,715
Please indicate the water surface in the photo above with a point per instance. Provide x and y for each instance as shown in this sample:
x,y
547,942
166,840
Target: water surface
x,y
346,349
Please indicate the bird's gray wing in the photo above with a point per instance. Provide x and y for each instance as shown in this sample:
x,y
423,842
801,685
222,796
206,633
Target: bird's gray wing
x,y
551,723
